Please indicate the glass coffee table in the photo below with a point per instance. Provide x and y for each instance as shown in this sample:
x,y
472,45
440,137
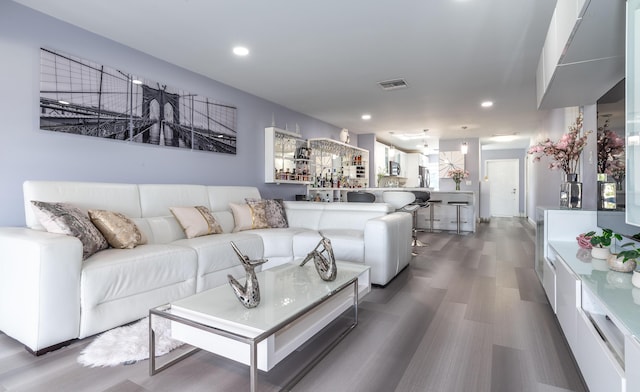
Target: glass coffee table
x,y
295,305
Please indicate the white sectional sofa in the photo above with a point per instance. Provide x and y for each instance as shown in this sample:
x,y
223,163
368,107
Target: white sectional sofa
x,y
49,295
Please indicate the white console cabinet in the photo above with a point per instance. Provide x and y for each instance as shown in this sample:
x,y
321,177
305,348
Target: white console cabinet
x,y
597,309
596,312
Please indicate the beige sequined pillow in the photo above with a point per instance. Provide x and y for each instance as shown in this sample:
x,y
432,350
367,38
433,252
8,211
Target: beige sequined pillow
x,y
196,221
247,217
120,231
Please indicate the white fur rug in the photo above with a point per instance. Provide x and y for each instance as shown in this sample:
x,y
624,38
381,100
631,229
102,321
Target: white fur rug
x,y
128,344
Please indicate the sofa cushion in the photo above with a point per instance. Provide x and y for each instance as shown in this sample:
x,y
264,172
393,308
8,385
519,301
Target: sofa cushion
x,y
123,198
196,221
119,231
129,282
63,218
348,245
215,254
279,242
304,214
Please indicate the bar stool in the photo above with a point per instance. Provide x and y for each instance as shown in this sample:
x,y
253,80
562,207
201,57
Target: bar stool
x,y
458,205
422,201
360,197
432,204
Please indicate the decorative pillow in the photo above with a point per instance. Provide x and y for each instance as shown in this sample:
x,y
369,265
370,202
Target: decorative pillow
x,y
196,221
276,214
248,217
120,231
63,218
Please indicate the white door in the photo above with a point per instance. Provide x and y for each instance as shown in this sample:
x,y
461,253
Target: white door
x,y
504,194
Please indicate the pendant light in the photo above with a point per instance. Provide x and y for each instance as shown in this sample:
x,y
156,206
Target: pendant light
x,y
464,147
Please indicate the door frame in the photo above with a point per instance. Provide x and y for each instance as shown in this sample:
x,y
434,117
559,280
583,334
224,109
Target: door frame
x,y
517,211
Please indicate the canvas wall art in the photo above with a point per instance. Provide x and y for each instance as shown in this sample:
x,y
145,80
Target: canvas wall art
x,y
82,97
450,160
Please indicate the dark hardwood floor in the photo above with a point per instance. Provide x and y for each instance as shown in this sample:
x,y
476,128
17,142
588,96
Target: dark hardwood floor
x,y
468,314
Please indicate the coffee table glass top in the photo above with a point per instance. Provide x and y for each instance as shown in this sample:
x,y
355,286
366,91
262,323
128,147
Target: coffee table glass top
x,y
285,290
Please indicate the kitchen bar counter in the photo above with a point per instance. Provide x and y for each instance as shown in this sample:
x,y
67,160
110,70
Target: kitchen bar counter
x,y
444,213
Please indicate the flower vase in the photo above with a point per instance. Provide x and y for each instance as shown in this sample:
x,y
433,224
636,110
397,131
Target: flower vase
x,y
457,185
571,192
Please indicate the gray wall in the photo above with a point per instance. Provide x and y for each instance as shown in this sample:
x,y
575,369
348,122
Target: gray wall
x,y
544,184
471,164
28,153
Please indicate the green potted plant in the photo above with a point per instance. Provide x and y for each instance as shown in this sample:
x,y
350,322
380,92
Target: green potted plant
x,y
601,243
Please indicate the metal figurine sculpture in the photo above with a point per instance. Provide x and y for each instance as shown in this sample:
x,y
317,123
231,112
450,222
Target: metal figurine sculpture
x,y
326,267
249,294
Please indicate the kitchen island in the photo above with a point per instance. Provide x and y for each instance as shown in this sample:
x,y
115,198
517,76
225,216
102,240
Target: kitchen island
x,y
441,202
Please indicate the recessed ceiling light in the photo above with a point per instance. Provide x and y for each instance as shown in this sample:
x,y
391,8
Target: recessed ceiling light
x,y
240,51
486,104
366,117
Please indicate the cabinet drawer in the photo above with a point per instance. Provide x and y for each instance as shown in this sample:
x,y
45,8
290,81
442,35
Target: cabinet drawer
x,y
599,367
568,300
549,282
632,362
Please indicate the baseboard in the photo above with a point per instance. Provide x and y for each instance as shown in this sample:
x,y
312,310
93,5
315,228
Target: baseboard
x,y
45,350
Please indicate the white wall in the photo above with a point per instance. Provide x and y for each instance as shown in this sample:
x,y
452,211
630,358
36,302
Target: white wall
x,y
28,153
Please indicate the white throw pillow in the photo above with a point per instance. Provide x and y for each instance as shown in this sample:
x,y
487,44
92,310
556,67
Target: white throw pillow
x,y
196,221
249,217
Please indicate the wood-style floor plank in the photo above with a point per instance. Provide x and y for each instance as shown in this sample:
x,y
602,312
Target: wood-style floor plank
x,y
468,314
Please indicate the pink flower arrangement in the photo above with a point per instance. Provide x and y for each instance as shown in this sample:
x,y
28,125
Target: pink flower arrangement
x,y
610,153
458,175
565,153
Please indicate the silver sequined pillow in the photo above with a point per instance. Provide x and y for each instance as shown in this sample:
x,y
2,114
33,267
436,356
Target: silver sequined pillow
x,y
274,208
63,218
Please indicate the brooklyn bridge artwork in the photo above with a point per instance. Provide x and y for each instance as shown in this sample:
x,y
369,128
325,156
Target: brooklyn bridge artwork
x,y
82,97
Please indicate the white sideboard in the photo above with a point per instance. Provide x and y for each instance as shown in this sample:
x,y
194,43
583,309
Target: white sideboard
x,y
597,309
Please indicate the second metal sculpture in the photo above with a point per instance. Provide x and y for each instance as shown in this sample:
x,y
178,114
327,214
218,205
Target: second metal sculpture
x,y
325,265
249,293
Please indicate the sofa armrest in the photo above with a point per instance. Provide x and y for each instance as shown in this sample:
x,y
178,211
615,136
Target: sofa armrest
x,y
39,286
387,245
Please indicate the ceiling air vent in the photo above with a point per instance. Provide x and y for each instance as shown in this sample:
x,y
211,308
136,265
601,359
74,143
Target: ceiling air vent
x,y
393,84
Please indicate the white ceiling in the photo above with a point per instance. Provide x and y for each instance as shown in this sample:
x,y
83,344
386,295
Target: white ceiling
x,y
324,58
